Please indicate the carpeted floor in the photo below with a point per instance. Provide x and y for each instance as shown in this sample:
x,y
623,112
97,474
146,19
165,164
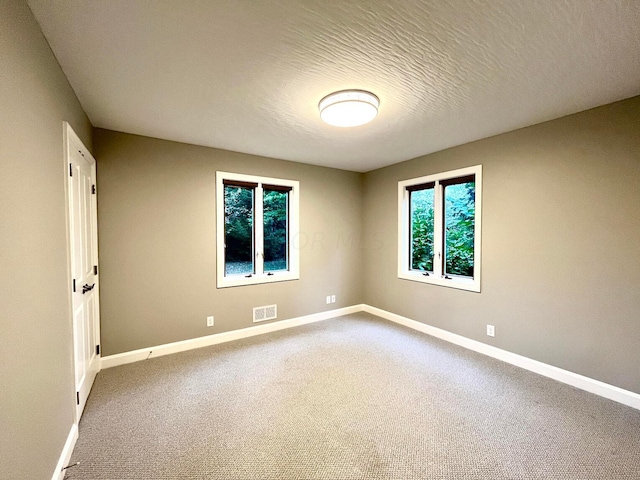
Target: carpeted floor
x,y
354,397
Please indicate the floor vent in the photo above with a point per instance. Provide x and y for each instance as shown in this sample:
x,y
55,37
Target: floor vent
x,y
268,312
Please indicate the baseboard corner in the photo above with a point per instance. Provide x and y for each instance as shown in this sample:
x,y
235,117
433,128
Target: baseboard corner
x,y
582,382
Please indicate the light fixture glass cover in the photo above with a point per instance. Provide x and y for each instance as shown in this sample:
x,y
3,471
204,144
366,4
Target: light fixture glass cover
x,y
349,108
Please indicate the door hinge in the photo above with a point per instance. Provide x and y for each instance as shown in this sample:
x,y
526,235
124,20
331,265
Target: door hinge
x,y
71,170
74,285
95,269
77,398
93,189
97,349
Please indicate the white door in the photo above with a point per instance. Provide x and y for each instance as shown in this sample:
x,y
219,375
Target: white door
x,y
83,235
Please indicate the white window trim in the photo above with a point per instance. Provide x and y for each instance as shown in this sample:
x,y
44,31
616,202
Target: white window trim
x,y
293,224
463,283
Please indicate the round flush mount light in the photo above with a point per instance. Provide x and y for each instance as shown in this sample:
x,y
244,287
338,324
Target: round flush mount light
x,y
349,108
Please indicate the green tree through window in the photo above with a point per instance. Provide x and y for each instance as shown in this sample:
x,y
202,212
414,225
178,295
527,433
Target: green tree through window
x,y
257,219
238,222
240,234
421,205
459,227
275,230
440,228
459,214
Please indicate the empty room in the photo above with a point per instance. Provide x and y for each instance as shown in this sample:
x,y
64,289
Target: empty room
x,y
291,239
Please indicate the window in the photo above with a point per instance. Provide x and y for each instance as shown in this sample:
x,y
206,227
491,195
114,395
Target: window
x,y
257,218
439,228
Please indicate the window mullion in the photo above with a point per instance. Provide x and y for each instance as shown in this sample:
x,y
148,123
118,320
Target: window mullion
x,y
405,227
438,230
408,225
288,238
259,230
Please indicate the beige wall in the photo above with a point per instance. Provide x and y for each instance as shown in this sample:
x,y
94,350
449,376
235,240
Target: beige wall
x,y
157,241
561,248
36,373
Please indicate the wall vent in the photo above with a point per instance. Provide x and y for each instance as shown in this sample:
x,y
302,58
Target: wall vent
x,y
268,312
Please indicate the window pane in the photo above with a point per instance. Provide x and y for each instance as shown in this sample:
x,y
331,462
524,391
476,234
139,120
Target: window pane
x,y
238,230
459,220
276,248
421,215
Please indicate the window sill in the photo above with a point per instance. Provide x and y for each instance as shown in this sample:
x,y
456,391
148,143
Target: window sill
x,y
461,283
241,280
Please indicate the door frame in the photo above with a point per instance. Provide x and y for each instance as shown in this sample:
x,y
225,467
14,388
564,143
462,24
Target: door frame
x,y
71,139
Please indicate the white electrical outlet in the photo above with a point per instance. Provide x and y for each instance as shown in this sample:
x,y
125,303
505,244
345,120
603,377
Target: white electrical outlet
x,y
209,321
328,299
333,299
491,330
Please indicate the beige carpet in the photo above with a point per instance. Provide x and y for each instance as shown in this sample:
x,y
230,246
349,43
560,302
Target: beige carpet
x,y
354,397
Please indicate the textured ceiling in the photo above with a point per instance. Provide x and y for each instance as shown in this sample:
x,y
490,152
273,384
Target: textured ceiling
x,y
247,75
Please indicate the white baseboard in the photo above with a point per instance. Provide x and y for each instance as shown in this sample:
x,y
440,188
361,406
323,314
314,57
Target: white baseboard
x,y
169,348
602,389
65,456
597,387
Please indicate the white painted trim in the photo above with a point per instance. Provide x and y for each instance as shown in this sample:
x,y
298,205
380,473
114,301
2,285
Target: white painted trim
x,y
169,348
65,456
72,142
437,276
597,387
260,276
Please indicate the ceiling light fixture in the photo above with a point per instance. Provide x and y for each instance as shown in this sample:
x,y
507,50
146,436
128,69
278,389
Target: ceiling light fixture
x,y
349,108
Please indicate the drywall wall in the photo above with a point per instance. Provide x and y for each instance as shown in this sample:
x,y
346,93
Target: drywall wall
x,y
561,245
36,365
157,241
